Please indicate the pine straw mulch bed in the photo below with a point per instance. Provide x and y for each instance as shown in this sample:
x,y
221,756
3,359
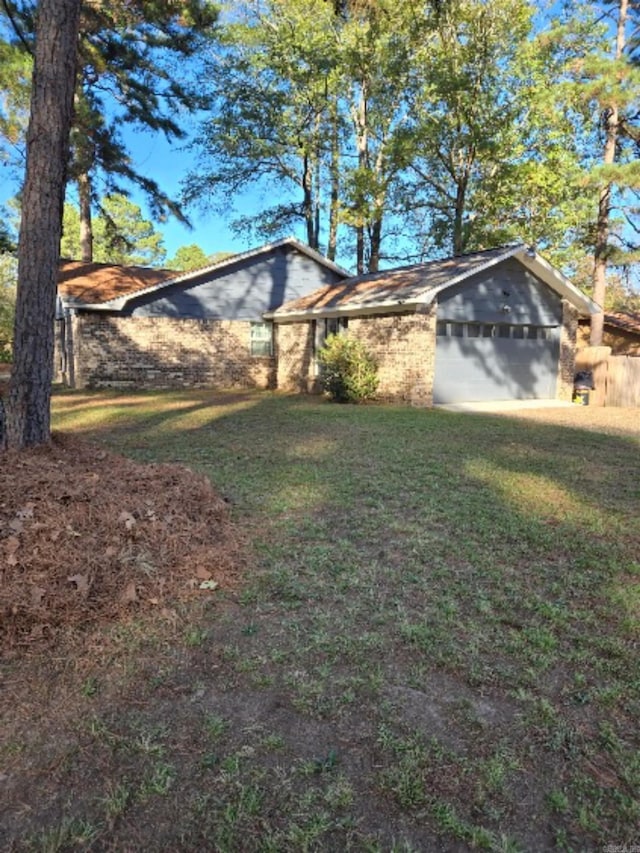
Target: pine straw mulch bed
x,y
87,536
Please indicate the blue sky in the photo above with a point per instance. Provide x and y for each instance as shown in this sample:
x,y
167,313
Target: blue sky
x,y
168,164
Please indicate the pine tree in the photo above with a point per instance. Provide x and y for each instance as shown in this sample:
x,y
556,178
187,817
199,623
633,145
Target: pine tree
x,y
28,408
616,87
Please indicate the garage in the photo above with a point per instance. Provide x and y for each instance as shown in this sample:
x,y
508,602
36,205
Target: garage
x,y
491,361
497,324
497,337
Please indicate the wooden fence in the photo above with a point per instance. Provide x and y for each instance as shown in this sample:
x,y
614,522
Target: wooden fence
x,y
616,377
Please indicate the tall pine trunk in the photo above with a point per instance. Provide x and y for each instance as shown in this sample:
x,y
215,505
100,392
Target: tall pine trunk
x,y
28,410
86,225
611,127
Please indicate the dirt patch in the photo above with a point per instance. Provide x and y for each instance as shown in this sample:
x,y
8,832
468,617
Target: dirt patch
x,y
87,536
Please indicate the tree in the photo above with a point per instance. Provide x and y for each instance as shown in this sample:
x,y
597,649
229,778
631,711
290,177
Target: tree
x,y
310,98
8,274
189,257
615,85
120,235
413,128
15,81
28,405
134,69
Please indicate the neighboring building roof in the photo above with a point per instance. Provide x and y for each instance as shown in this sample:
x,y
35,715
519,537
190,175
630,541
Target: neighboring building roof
x,y
89,283
406,288
622,320
108,287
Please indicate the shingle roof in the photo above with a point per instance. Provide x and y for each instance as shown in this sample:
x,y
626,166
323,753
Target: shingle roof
x,y
623,320
408,284
91,283
409,287
109,286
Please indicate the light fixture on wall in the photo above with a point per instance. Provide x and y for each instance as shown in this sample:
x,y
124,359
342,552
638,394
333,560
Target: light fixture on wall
x,y
506,309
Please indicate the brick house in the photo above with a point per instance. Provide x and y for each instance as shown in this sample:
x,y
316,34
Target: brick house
x,y
493,325
121,327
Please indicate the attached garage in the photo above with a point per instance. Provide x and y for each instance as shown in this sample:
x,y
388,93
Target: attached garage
x,y
493,325
498,337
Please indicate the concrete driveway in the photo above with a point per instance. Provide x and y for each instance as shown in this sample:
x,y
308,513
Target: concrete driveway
x,y
504,405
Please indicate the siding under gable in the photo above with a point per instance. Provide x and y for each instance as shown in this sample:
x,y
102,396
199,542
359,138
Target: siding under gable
x,y
484,297
240,291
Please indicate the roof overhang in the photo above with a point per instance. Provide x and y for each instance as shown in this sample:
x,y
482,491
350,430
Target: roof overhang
x,y
543,270
395,306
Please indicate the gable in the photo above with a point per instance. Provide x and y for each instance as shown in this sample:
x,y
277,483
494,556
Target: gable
x,y
507,292
243,289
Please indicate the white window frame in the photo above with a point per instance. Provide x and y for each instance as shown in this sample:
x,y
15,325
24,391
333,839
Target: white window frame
x,y
261,334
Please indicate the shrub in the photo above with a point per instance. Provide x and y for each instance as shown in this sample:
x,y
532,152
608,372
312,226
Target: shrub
x,y
349,372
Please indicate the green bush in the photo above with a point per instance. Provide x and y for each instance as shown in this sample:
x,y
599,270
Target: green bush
x,y
349,373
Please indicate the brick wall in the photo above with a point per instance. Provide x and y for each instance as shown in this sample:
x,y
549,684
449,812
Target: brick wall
x,y
566,366
402,344
621,342
294,351
113,352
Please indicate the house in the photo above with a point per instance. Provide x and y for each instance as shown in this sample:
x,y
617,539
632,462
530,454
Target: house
x,y
621,332
147,328
492,325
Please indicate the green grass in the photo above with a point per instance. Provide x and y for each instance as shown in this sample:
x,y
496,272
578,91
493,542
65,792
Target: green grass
x,y
436,643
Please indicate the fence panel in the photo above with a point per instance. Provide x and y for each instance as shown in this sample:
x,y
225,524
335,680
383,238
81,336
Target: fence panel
x,y
623,381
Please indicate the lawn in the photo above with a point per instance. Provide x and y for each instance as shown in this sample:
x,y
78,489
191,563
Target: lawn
x,y
434,647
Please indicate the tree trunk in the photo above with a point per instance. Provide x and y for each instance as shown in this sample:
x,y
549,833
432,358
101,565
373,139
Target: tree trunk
x,y
362,144
86,226
28,415
307,189
459,241
375,237
611,119
334,171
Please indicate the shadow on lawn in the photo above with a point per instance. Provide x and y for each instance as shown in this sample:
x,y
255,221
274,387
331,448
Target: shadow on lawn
x,y
440,619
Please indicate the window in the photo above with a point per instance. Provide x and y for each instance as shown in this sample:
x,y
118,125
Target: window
x,y
262,339
335,325
321,329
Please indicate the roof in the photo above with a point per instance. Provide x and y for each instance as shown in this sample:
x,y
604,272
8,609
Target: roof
x,y
108,287
623,320
407,288
89,283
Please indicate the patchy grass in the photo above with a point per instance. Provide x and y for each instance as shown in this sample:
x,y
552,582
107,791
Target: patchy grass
x,y
436,647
